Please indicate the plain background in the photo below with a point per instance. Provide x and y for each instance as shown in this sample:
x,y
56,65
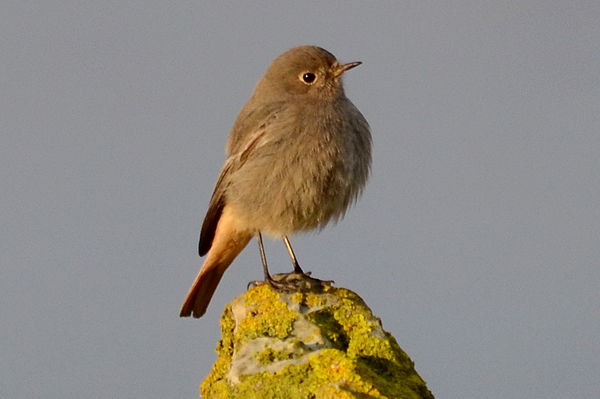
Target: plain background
x,y
476,242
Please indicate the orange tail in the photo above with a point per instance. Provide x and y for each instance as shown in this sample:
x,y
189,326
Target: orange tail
x,y
203,289
228,242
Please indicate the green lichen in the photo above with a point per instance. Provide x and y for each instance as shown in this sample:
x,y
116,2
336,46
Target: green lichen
x,y
330,328
289,352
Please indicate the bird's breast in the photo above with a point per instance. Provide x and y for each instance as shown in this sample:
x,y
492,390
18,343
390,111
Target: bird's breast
x,y
304,174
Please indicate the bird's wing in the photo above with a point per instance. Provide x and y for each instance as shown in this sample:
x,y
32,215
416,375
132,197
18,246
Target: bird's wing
x,y
251,121
245,137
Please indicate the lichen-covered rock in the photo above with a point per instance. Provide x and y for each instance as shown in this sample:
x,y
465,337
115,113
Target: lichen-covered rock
x,y
325,343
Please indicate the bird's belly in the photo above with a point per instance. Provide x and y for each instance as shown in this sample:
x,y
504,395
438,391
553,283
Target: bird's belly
x,y
298,196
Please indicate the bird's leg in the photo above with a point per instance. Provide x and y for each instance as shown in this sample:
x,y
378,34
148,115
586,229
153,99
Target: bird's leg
x,y
297,281
263,258
297,268
276,285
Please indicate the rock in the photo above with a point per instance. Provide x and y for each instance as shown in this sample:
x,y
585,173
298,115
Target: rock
x,y
324,343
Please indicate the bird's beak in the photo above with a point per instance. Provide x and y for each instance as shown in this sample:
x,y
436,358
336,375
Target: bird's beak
x,y
343,68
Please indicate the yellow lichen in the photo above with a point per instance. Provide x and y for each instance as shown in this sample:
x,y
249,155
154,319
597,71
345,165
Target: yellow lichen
x,y
265,316
362,361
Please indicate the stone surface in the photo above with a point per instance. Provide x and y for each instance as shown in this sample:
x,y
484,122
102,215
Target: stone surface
x,y
324,343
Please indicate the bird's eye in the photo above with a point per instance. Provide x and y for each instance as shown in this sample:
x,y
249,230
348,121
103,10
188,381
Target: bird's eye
x,y
308,77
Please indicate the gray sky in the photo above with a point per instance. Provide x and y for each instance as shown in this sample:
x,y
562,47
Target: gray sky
x,y
477,240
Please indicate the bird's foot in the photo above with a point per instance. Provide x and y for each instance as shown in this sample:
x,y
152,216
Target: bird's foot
x,y
293,282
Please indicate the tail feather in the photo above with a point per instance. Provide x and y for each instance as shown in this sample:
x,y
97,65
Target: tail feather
x,y
230,238
202,291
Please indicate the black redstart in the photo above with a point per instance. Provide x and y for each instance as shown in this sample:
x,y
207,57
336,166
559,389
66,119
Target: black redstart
x,y
299,154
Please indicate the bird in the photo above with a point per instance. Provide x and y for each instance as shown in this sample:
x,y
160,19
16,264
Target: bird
x,y
298,155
